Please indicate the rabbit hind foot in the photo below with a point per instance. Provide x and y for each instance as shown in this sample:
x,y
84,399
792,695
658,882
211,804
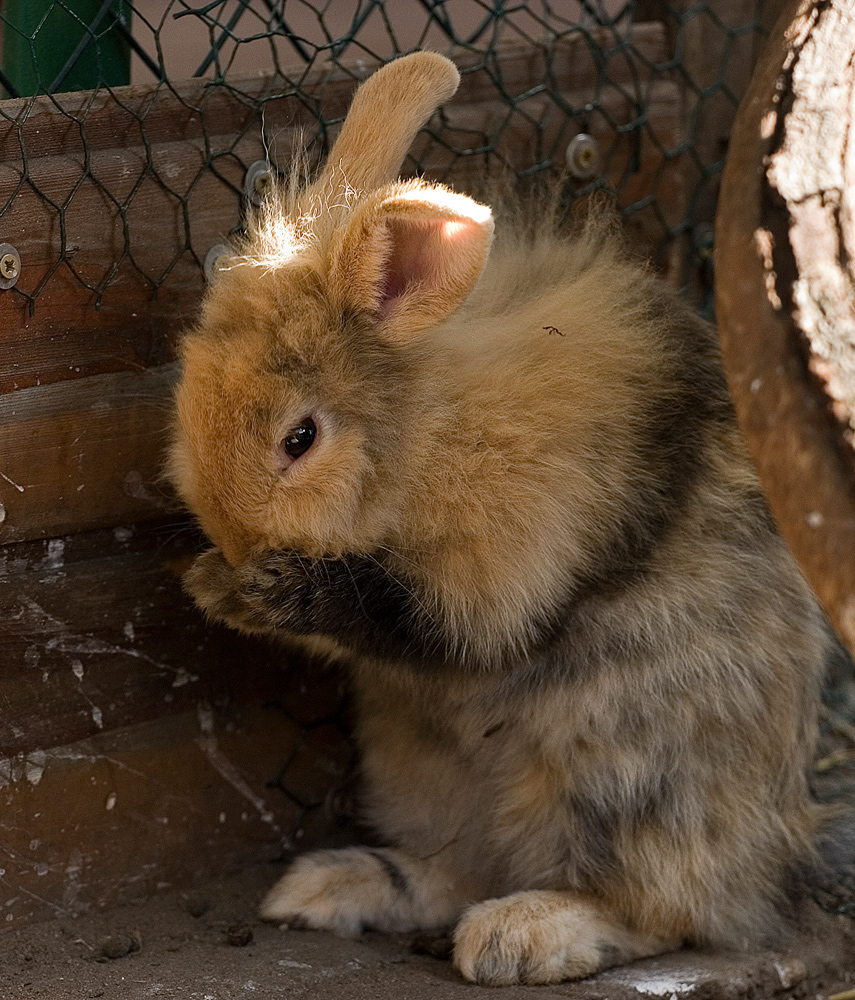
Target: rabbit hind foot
x,y
355,888
541,937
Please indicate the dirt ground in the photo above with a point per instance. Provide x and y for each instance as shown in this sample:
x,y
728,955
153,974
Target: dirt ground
x,y
208,945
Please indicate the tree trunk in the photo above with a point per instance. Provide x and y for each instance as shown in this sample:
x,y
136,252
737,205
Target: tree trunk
x,y
786,289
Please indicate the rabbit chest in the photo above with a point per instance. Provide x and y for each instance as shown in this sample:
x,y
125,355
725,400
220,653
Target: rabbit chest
x,y
452,770
518,787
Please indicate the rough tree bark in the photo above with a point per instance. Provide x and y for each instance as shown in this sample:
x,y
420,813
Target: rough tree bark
x,y
786,288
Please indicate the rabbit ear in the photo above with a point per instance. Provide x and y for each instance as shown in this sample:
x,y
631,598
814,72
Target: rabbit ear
x,y
386,113
411,256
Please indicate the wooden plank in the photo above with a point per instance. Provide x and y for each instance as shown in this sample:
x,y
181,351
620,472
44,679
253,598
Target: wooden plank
x,y
83,454
140,746
110,640
120,816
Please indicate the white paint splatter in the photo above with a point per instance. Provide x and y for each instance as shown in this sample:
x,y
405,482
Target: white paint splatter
x,y
12,482
664,986
55,558
77,669
34,766
70,642
183,677
97,717
226,769
205,717
129,631
111,801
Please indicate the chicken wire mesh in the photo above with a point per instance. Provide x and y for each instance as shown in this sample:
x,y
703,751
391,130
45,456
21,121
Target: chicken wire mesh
x,y
645,79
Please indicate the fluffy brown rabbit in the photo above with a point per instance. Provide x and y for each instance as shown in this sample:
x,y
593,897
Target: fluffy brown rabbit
x,y
501,480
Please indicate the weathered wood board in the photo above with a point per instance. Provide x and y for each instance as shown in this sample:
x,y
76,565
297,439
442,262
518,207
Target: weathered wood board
x,y
96,644
83,453
115,817
138,744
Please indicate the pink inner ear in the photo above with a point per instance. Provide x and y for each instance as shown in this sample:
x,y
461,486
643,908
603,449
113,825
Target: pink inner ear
x,y
417,255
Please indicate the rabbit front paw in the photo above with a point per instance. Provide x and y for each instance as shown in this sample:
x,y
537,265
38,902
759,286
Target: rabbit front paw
x,y
239,596
541,937
521,939
212,584
347,890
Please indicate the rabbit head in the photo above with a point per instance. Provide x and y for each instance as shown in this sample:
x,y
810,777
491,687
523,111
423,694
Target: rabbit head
x,y
292,406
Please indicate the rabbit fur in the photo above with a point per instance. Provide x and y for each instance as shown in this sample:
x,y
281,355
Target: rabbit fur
x,y
585,668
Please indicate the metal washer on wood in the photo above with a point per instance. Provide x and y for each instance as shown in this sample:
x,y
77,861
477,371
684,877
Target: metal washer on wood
x,y
215,259
583,157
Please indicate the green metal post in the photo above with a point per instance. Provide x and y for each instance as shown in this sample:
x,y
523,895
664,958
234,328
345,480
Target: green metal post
x,y
60,45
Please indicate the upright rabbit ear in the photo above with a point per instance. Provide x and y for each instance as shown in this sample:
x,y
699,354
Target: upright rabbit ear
x,y
410,255
386,113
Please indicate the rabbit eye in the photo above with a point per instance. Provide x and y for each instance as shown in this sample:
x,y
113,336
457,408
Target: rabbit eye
x,y
298,440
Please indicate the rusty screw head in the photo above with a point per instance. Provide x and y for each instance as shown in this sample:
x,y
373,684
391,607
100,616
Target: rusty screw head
x,y
262,183
10,265
259,181
583,157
